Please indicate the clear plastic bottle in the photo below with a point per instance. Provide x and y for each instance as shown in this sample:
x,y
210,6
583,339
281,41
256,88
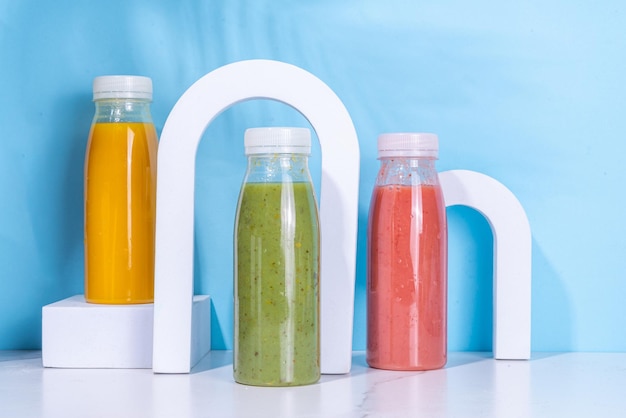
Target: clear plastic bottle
x,y
276,260
407,257
120,193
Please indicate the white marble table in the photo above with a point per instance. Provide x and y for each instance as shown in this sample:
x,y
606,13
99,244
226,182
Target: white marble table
x,y
471,385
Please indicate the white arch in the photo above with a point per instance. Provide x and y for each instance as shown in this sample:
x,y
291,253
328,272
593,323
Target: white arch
x,y
512,256
194,111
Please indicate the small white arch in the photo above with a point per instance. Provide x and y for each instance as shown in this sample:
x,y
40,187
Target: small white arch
x,y
512,256
194,111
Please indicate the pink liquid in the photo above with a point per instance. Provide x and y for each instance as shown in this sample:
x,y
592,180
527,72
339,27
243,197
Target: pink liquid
x,y
407,278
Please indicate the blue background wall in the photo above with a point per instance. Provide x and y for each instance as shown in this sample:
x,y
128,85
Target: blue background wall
x,y
531,93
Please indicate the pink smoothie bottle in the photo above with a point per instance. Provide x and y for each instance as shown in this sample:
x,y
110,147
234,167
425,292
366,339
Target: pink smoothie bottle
x,y
407,257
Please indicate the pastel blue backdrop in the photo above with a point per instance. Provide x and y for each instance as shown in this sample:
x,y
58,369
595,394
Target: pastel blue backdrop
x,y
531,93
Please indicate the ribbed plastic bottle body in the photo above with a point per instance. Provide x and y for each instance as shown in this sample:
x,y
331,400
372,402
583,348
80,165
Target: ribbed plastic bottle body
x,y
277,264
407,267
120,203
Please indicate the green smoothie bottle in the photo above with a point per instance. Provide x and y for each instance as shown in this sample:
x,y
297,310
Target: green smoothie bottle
x,y
277,263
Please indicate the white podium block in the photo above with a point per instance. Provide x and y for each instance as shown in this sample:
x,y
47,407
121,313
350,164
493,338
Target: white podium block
x,y
77,334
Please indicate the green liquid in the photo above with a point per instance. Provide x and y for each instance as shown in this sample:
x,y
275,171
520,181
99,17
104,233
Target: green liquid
x,y
276,285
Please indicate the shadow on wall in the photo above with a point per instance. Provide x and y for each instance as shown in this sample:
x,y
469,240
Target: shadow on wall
x,y
552,320
470,280
470,296
470,292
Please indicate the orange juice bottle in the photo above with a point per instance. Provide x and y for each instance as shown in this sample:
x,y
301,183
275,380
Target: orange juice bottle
x,y
120,193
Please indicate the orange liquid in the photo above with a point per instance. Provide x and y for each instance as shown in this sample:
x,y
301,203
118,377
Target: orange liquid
x,y
407,278
120,201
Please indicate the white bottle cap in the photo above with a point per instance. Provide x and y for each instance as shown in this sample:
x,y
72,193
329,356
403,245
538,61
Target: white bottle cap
x,y
122,87
408,145
277,141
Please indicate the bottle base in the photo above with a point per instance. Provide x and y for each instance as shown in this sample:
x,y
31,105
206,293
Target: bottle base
x,y
273,383
118,302
406,367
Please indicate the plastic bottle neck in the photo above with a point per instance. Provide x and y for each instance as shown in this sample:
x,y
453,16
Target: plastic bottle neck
x,y
266,168
122,110
407,171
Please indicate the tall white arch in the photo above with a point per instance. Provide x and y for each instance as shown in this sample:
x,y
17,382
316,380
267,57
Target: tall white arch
x,y
512,256
194,111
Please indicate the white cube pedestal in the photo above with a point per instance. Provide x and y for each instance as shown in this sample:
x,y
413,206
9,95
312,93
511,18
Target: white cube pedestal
x,y
77,334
